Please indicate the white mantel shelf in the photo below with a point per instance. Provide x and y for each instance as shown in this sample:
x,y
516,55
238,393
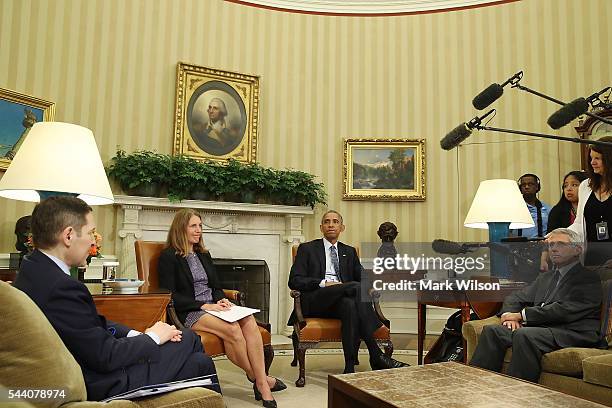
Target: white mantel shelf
x,y
230,230
221,206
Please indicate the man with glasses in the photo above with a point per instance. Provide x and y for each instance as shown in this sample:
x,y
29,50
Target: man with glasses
x,y
560,309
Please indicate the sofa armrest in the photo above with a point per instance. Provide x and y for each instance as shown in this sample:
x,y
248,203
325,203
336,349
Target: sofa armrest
x,y
472,329
598,369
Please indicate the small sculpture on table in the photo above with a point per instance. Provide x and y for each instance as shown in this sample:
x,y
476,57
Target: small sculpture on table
x,y
387,231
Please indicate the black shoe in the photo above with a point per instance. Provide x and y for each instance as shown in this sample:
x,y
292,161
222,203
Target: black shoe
x,y
266,403
278,384
382,362
348,370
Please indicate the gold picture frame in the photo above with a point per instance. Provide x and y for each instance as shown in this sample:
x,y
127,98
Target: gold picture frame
x,y
384,169
216,114
18,113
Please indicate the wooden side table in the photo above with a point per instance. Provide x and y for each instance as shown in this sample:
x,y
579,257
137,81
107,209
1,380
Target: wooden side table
x,y
138,311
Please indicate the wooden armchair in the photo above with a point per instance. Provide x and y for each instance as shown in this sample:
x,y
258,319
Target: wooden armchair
x,y
147,256
309,331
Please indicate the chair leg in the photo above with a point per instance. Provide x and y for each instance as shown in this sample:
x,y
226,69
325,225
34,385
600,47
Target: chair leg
x,y
268,356
294,340
301,381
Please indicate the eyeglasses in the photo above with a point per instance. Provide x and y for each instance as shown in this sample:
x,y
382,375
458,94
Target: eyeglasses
x,y
560,245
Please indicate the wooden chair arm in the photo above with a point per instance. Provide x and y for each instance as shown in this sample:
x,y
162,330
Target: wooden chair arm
x,y
173,317
297,307
375,297
235,296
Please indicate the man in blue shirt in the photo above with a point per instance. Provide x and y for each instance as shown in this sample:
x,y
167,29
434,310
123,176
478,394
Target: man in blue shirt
x,y
530,187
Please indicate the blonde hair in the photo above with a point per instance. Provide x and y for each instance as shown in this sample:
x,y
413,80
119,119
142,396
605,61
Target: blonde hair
x,y
177,235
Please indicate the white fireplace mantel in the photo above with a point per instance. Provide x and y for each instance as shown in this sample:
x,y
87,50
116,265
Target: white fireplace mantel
x,y
231,230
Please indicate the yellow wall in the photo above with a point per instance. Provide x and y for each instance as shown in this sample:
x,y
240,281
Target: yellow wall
x,y
322,79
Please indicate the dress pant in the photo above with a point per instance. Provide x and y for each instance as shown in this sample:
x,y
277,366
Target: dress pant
x,y
178,361
358,318
528,344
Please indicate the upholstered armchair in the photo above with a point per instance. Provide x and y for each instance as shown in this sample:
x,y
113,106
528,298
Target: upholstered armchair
x,y
34,357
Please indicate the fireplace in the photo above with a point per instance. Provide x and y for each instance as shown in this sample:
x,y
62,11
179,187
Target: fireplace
x,y
251,277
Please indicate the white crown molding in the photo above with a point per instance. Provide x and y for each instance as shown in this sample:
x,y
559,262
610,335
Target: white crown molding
x,y
369,7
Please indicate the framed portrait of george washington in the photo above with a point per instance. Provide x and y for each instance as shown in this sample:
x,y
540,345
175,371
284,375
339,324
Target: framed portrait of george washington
x,y
384,169
216,114
18,113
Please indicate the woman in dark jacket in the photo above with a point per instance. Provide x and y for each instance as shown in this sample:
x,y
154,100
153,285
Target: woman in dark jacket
x,y
563,214
186,269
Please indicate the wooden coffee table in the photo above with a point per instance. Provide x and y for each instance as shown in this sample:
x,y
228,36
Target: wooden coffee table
x,y
442,385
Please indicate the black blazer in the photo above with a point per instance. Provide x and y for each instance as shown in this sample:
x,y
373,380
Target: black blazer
x,y
70,309
175,275
308,269
573,312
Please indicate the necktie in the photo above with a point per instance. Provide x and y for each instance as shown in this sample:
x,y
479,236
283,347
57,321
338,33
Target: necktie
x,y
333,255
553,286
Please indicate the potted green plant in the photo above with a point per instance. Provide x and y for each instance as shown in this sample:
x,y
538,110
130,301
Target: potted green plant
x,y
299,188
185,179
141,173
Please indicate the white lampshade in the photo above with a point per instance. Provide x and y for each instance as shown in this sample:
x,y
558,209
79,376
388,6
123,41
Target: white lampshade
x,y
57,157
498,200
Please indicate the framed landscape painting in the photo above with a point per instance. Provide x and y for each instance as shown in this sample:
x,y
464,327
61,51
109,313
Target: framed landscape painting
x,y
216,114
384,169
18,113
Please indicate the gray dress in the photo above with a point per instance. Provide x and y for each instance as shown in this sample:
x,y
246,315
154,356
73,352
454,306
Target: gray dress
x,y
203,292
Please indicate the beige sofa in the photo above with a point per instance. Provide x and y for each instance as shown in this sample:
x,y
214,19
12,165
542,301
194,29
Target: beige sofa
x,y
582,372
33,356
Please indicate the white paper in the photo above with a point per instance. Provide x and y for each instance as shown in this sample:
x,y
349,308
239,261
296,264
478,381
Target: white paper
x,y
234,314
154,389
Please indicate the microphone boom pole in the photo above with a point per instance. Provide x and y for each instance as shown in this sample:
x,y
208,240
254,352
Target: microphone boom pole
x,y
545,136
550,98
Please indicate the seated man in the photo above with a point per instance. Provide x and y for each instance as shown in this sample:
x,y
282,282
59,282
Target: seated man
x,y
328,274
561,308
113,358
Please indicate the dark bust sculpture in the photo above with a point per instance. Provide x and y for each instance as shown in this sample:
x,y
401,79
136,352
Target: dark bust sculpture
x,y
22,229
387,231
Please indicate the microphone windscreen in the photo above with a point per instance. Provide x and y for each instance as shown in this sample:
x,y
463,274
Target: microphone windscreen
x,y
455,137
443,246
488,96
567,113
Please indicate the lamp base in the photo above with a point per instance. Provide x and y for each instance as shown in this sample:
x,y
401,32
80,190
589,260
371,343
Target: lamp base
x,y
499,264
46,194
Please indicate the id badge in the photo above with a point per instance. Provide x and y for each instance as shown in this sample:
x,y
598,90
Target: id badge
x,y
602,230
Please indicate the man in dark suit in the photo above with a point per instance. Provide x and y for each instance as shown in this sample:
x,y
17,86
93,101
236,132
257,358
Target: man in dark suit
x,y
328,275
559,309
113,358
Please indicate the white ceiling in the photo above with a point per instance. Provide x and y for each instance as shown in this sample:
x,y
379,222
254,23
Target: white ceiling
x,y
368,6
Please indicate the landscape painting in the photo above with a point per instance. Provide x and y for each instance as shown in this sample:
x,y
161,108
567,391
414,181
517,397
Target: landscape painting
x,y
384,169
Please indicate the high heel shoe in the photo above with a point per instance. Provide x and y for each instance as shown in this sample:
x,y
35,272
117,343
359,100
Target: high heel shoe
x,y
266,403
278,384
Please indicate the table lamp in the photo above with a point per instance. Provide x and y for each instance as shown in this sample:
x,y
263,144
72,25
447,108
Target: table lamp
x,y
499,207
57,159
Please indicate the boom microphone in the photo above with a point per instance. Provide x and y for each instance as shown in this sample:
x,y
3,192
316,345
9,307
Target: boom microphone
x,y
493,92
443,246
575,108
462,132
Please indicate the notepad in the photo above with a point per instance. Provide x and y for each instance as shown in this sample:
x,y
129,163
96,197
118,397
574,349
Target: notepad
x,y
234,314
207,381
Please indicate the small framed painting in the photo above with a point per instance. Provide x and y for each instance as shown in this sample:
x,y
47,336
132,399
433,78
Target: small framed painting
x,y
384,169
